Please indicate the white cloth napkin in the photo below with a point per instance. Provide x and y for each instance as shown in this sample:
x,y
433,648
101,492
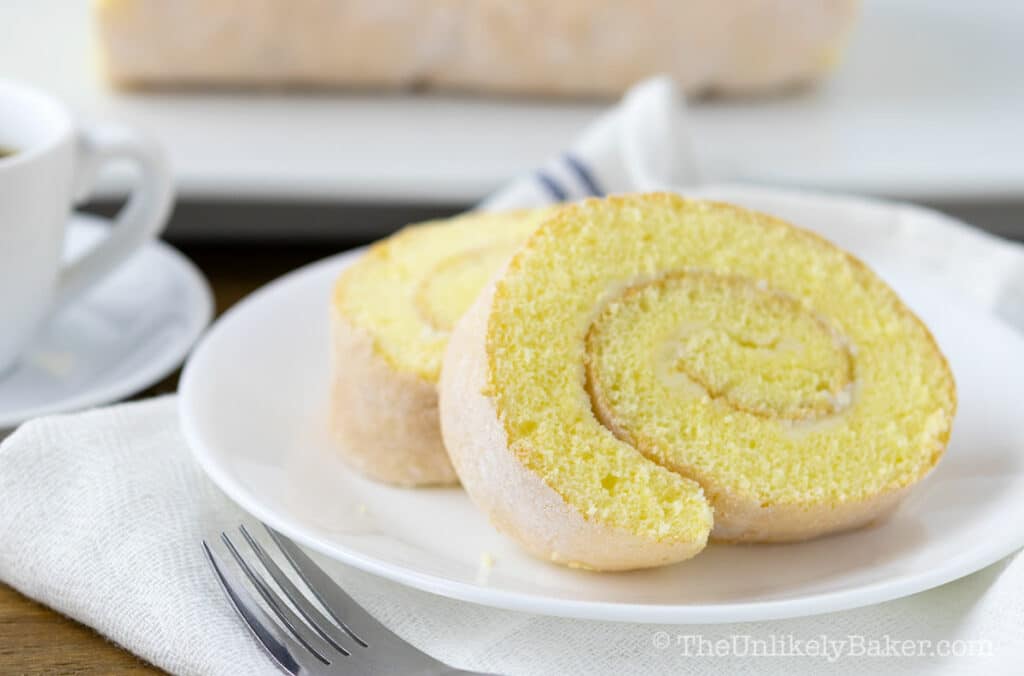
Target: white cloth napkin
x,y
101,514
640,144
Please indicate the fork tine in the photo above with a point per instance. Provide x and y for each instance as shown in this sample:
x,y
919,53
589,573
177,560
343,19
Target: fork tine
x,y
326,628
282,649
290,620
342,607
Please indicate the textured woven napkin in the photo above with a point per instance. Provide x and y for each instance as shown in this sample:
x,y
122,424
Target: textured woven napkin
x,y
101,513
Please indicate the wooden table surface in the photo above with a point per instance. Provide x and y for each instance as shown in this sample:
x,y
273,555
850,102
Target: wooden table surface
x,y
37,640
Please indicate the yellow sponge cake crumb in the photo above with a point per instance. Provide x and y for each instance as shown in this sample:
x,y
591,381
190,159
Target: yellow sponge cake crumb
x,y
648,371
391,314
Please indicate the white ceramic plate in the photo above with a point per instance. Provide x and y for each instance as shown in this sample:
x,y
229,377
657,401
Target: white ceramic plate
x,y
253,404
128,332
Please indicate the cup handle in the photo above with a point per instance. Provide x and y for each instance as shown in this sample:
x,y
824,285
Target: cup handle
x,y
140,220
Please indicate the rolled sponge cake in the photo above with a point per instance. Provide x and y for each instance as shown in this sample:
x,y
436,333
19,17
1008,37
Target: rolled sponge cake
x,y
391,314
649,371
535,47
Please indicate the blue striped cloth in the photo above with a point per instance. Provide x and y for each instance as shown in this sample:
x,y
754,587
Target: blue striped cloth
x,y
584,183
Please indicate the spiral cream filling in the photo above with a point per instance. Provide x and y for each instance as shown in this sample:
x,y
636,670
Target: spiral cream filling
x,y
444,294
724,337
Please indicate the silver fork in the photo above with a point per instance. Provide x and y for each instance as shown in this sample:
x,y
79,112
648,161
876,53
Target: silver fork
x,y
350,642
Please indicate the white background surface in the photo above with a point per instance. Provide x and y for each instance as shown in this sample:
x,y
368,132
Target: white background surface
x,y
928,104
254,411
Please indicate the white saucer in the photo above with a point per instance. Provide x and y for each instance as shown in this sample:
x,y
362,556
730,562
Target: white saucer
x,y
127,333
254,402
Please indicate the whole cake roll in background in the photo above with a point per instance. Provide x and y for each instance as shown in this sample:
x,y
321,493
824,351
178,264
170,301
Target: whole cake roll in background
x,y
558,47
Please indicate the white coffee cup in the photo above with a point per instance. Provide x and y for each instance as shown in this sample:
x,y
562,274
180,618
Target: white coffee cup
x,y
52,166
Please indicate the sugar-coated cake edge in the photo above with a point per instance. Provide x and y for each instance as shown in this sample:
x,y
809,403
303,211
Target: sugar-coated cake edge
x,y
517,501
369,395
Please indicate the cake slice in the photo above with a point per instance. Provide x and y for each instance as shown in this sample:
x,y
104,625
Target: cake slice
x,y
391,314
648,371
